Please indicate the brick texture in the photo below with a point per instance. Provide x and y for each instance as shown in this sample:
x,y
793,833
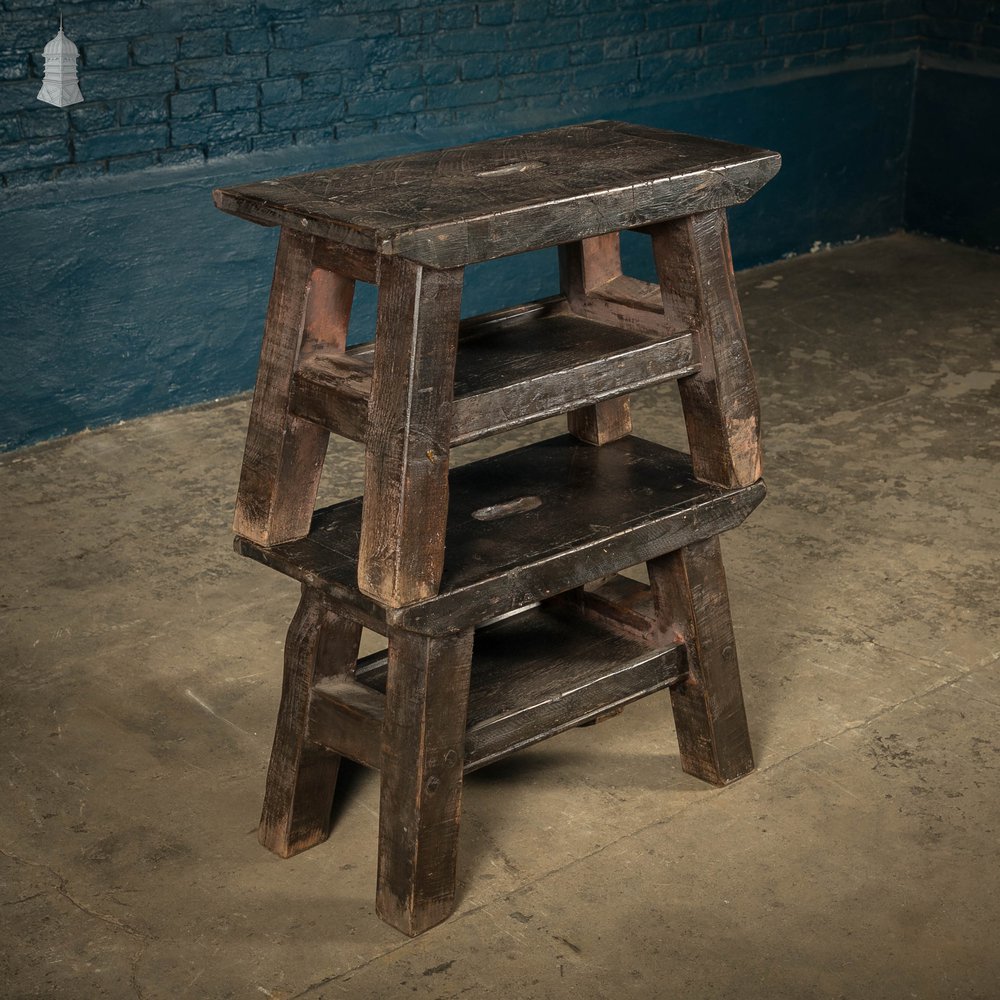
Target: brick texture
x,y
175,83
961,29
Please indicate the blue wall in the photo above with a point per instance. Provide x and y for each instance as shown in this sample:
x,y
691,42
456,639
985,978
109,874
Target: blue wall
x,y
123,291
953,184
170,82
953,178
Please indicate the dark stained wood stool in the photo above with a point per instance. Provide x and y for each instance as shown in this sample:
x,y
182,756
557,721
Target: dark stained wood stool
x,y
498,584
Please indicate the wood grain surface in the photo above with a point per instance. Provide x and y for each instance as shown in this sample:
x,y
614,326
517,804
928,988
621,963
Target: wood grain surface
x,y
691,597
308,310
423,743
452,207
535,364
408,441
302,776
602,509
721,408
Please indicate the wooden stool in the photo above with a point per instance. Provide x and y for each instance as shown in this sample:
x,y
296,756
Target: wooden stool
x,y
538,534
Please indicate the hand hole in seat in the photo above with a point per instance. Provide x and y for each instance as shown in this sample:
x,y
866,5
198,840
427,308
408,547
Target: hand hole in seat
x,y
499,510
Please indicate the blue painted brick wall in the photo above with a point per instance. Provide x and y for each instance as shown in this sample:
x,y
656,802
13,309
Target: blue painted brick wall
x,y
131,294
962,29
168,82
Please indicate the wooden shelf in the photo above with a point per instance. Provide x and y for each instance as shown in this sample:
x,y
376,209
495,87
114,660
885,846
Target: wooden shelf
x,y
534,674
526,525
513,368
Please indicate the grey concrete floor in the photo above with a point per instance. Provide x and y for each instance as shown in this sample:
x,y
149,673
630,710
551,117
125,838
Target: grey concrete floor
x,y
141,669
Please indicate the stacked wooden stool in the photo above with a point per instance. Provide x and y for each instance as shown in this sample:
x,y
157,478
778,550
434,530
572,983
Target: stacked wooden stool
x,y
496,584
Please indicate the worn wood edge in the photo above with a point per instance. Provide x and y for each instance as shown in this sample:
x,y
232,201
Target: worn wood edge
x,y
346,600
662,669
230,201
446,244
280,450
346,716
722,185
329,390
517,587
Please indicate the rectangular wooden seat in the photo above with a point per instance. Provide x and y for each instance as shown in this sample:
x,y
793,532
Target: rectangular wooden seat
x,y
527,524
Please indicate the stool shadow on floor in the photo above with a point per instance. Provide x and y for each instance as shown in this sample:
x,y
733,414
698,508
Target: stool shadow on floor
x,y
538,783
352,781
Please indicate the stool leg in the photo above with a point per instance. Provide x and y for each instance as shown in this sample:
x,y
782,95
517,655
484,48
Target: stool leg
x,y
401,554
584,266
302,776
692,601
309,309
721,409
423,753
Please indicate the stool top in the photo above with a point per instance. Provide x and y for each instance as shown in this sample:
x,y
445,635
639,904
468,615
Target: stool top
x,y
451,207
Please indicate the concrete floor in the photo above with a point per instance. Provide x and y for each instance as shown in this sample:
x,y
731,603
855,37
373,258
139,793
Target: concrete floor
x,y
141,669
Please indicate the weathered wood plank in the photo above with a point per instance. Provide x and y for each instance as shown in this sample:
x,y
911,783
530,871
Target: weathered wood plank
x,y
503,380
721,408
346,717
536,674
409,433
584,266
549,669
278,446
449,208
301,776
601,509
333,390
601,422
691,598
284,454
423,742
351,261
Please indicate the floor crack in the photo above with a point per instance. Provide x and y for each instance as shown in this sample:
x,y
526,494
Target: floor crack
x,y
62,888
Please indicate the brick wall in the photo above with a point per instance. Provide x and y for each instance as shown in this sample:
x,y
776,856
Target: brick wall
x,y
962,29
179,82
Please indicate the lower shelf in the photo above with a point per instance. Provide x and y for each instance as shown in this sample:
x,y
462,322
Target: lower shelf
x,y
534,674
